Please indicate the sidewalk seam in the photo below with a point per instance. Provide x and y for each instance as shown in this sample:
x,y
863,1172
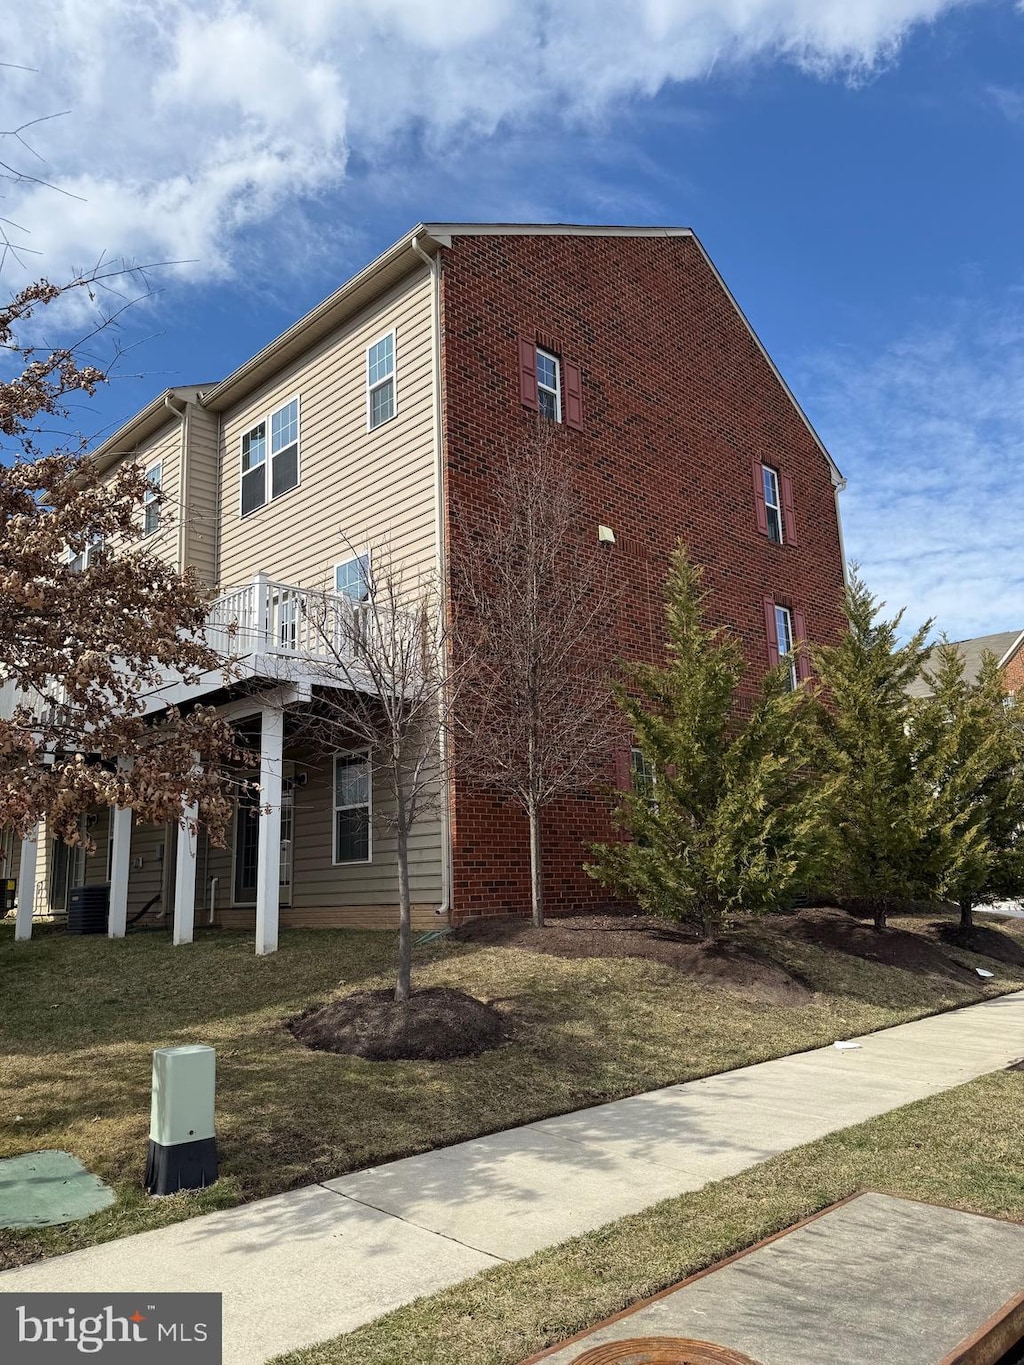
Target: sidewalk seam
x,y
480,1251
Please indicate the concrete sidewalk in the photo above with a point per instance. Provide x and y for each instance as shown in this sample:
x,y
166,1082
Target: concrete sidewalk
x,y
305,1266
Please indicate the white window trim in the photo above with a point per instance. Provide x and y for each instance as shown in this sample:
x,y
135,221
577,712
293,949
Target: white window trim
x,y
351,862
787,615
268,483
651,795
154,474
776,506
366,554
558,381
95,543
392,332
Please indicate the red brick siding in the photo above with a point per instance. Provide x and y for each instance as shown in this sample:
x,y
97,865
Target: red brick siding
x,y
677,399
1013,674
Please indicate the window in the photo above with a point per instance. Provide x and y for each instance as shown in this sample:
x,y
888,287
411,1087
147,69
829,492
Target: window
x,y
784,635
352,808
352,578
284,457
643,779
772,503
549,390
550,385
380,381
151,502
87,557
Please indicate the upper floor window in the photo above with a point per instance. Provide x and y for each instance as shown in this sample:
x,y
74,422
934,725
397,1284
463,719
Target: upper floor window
x,y
642,776
283,457
87,557
151,501
549,388
352,578
550,385
380,381
772,503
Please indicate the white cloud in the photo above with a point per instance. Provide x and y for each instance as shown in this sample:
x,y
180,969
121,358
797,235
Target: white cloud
x,y
193,122
930,434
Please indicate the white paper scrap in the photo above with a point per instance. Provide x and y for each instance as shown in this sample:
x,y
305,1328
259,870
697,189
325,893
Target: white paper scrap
x,y
982,972
845,1047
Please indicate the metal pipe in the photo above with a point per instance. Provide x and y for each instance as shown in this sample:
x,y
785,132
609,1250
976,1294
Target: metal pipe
x,y
214,883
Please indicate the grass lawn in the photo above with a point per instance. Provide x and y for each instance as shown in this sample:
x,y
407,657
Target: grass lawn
x,y
964,1148
80,1016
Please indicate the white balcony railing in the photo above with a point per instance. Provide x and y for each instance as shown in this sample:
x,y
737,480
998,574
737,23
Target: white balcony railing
x,y
266,617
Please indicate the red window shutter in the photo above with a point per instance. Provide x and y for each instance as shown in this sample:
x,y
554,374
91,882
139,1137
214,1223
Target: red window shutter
x,y
624,768
788,510
528,373
771,631
573,395
759,507
803,658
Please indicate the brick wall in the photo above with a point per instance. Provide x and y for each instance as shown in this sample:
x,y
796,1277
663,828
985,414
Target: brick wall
x,y
677,401
1013,674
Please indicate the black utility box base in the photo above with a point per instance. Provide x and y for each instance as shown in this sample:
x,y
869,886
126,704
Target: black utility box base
x,y
185,1166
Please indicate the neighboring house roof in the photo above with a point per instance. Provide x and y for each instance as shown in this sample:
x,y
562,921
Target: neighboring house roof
x,y
1003,645
374,279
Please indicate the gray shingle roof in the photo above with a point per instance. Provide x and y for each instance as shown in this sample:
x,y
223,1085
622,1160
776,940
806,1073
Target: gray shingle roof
x,y
972,652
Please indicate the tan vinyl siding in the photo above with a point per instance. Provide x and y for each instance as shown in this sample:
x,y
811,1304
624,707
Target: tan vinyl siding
x,y
367,485
147,881
163,449
200,510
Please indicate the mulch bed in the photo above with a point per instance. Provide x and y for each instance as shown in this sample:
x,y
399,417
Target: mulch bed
x,y
738,960
434,1025
727,962
982,939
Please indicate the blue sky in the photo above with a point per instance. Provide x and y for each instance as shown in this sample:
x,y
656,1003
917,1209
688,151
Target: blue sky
x,y
854,167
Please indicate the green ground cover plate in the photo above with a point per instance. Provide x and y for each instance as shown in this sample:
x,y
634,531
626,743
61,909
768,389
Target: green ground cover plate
x,y
44,1188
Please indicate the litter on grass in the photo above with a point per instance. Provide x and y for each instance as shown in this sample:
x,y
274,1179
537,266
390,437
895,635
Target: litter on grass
x,y
982,972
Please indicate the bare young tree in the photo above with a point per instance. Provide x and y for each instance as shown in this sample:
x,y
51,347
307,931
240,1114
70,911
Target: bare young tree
x,y
384,687
532,605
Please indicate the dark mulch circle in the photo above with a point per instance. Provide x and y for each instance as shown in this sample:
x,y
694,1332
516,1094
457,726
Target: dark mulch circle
x,y
434,1025
990,942
727,962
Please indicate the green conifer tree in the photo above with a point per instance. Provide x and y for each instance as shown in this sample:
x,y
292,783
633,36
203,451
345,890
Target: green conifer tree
x,y
724,819
972,759
867,753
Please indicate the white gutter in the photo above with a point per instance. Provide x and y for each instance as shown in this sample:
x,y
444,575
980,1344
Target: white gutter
x,y
440,561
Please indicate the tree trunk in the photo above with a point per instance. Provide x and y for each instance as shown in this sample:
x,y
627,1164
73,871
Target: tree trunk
x,y
966,914
403,986
878,911
536,867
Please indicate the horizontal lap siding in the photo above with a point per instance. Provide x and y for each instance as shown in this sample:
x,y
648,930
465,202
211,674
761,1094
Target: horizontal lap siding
x,y
363,485
163,449
200,502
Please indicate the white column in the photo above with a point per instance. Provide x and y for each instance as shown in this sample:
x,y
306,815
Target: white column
x,y
268,864
185,877
120,864
27,886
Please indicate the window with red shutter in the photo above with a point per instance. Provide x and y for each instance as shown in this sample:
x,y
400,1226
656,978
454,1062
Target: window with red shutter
x,y
573,395
771,631
757,471
528,374
788,509
803,658
624,768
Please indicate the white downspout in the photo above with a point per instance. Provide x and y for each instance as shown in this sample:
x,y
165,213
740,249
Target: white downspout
x,y
182,415
837,488
441,562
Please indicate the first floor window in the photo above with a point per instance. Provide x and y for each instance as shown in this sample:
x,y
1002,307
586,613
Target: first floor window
x,y
283,457
352,808
642,776
380,381
151,502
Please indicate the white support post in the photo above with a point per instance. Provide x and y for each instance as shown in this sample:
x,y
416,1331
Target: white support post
x,y
263,612
120,864
27,886
185,877
268,864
